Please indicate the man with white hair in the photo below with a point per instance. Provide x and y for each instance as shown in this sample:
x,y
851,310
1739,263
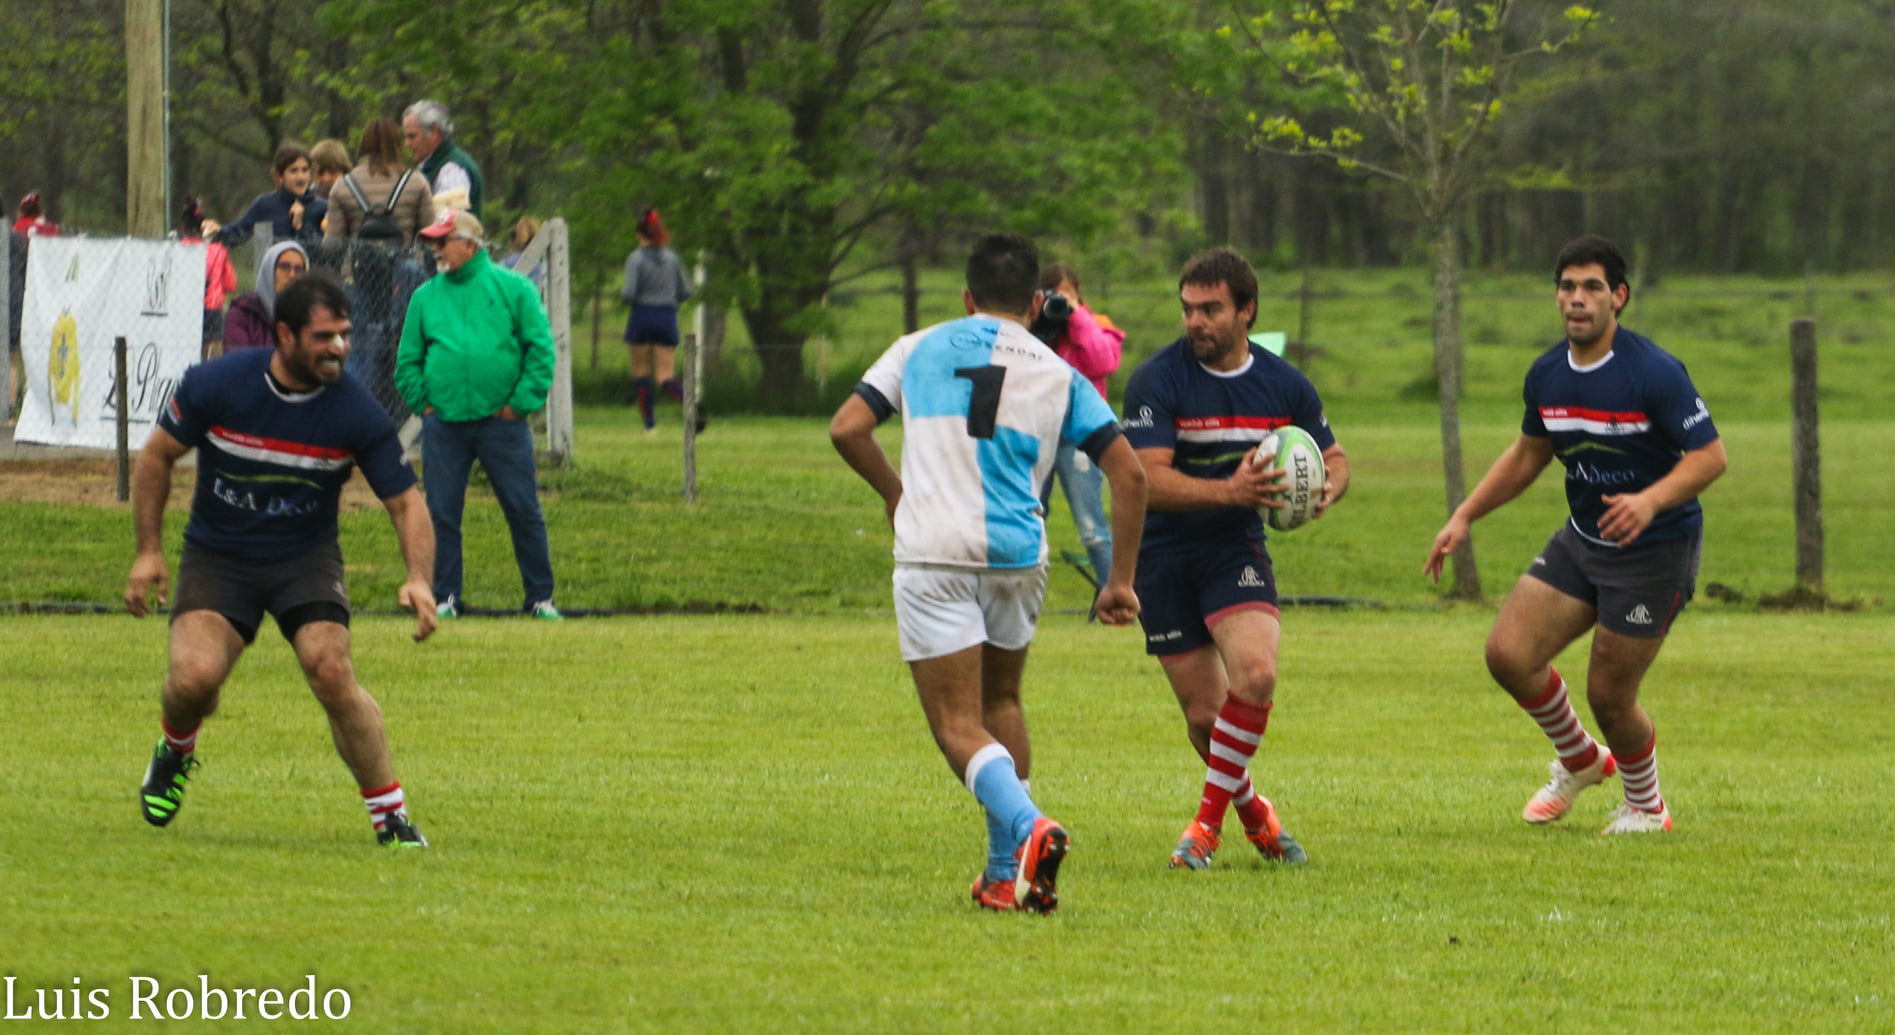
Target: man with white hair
x,y
428,130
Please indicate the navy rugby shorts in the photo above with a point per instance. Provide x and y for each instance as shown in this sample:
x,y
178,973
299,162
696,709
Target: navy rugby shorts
x,y
652,325
1185,591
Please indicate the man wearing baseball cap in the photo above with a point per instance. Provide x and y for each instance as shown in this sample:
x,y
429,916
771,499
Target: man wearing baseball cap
x,y
476,359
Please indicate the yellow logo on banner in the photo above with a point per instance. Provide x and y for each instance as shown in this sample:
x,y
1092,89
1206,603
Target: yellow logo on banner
x,y
62,365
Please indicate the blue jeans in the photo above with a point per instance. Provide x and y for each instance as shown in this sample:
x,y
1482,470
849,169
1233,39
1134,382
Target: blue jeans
x,y
505,451
1085,494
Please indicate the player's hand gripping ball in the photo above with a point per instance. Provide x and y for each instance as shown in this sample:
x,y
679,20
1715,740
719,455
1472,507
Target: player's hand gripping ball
x,y
1304,474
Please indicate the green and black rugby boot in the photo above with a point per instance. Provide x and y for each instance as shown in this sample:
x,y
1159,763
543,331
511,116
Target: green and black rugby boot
x,y
398,832
163,793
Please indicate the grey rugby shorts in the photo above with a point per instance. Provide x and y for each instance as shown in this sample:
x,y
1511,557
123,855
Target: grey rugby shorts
x,y
304,588
1637,591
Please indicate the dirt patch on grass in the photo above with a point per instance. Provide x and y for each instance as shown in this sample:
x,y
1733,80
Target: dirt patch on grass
x,y
87,482
94,483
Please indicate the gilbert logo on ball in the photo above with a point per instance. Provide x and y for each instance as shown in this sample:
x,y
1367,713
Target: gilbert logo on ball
x,y
1302,463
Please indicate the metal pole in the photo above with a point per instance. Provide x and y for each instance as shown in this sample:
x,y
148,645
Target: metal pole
x,y
124,423
164,200
7,302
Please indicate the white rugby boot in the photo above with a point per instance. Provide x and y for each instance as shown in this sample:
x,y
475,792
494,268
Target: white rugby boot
x,y
1628,820
1551,801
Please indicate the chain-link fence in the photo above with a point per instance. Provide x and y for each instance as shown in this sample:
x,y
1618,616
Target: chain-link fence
x,y
84,294
381,278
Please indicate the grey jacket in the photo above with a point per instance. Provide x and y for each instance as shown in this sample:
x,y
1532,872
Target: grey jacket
x,y
654,276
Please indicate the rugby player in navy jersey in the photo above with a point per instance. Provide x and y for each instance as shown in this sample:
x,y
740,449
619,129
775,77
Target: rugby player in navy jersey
x,y
1195,412
278,432
1638,446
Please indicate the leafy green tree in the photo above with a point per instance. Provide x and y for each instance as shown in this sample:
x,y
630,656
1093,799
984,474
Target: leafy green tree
x,y
62,111
1408,91
801,141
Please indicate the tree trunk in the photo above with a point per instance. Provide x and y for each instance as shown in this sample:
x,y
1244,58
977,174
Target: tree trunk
x,y
784,387
1209,158
910,294
793,274
713,343
1448,365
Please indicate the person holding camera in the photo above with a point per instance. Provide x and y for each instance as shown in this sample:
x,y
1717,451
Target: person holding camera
x,y
1092,346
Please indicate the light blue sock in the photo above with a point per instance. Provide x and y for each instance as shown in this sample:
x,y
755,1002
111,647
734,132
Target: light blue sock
x,y
1010,812
1000,863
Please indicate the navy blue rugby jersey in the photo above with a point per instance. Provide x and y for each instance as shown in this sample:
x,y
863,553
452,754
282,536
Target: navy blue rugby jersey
x,y
1209,420
1618,425
271,463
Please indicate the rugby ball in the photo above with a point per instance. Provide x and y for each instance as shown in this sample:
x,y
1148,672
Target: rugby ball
x,y
1304,475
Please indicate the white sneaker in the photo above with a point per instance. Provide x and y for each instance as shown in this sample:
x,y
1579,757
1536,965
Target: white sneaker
x,y
1551,801
1628,820
449,608
545,609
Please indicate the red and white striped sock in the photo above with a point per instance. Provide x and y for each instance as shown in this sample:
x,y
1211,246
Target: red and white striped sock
x,y
183,743
1639,774
388,801
1243,799
1249,806
1553,710
1234,742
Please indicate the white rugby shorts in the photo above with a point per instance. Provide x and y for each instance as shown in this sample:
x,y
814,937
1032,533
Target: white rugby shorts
x,y
940,610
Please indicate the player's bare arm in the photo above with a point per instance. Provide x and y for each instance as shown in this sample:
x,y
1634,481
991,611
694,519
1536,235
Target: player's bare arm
x,y
1627,515
1251,485
1117,604
151,488
1507,478
1336,485
414,530
852,432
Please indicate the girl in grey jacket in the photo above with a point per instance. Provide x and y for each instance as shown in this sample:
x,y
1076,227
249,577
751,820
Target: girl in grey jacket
x,y
655,286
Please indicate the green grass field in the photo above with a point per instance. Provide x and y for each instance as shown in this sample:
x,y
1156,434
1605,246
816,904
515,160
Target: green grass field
x,y
736,821
739,824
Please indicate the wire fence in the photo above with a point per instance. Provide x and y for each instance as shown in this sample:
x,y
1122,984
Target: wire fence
x,y
1361,323
381,280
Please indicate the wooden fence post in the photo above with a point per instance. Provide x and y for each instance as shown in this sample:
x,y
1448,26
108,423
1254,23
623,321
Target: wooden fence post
x,y
120,395
693,371
1806,456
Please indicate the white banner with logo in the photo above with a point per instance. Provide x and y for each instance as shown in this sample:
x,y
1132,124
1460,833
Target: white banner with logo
x,y
83,293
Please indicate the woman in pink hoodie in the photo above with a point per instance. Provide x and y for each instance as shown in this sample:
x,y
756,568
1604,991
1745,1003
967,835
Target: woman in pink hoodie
x,y
1092,346
220,277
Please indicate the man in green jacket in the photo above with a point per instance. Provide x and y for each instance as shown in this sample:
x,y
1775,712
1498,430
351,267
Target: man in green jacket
x,y
476,359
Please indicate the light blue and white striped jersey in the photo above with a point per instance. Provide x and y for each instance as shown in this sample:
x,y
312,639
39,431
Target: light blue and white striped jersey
x,y
984,404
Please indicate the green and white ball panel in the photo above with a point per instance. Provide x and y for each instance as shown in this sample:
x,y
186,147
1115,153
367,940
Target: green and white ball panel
x,y
1302,462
